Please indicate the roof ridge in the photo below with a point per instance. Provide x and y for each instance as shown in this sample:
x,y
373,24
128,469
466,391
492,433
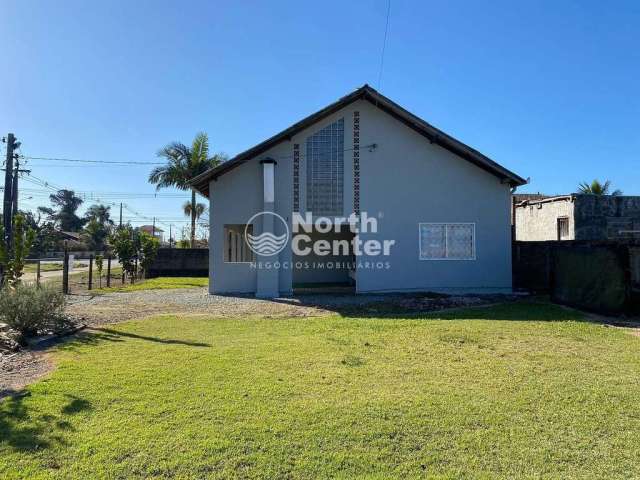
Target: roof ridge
x,y
435,135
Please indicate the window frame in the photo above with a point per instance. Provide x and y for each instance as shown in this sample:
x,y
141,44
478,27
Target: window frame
x,y
225,244
446,224
311,192
559,220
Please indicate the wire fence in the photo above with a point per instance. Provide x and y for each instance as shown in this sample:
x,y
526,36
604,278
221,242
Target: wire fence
x,y
75,273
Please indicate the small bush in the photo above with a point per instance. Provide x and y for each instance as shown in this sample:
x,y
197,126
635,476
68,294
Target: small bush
x,y
30,309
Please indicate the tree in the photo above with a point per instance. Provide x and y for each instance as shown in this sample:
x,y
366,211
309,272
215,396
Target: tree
x,y
597,188
100,213
98,226
65,204
183,164
123,243
46,235
147,251
188,210
95,235
12,260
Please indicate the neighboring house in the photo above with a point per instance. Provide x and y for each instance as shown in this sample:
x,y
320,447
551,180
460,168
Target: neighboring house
x,y
73,236
517,198
578,217
154,231
445,207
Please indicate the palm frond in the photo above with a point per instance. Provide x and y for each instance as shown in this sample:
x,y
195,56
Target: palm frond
x,y
200,209
187,208
597,188
184,163
200,149
584,187
175,152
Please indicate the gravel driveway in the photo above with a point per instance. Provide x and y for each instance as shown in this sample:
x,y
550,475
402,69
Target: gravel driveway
x,y
117,307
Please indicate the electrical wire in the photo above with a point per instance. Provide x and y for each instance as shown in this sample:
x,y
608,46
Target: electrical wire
x,y
100,163
384,44
81,160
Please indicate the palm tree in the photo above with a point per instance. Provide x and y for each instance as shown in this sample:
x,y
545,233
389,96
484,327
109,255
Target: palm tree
x,y
65,204
597,188
98,226
184,163
100,213
188,208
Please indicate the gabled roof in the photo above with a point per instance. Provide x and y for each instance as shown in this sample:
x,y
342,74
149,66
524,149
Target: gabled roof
x,y
201,182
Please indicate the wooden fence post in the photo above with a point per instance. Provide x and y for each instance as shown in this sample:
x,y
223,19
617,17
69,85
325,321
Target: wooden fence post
x,y
90,272
38,274
108,271
65,270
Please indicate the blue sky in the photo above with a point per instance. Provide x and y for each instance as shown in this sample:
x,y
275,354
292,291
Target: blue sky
x,y
548,89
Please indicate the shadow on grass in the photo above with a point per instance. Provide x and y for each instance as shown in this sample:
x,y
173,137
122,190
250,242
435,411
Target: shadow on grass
x,y
96,335
116,334
25,430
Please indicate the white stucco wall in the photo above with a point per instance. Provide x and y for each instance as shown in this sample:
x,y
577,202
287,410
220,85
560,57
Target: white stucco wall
x,y
539,221
406,180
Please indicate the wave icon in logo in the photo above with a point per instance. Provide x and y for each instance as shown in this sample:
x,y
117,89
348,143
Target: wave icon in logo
x,y
266,244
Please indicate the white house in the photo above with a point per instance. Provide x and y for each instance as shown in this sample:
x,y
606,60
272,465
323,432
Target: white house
x,y
442,207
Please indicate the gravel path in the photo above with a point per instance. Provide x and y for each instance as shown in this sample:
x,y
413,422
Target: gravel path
x,y
117,307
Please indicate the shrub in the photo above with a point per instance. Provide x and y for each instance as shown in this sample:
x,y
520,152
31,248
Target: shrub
x,y
12,259
30,309
148,250
124,246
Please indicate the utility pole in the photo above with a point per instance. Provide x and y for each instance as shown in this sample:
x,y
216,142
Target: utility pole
x,y
8,188
14,193
153,228
120,214
170,225
15,184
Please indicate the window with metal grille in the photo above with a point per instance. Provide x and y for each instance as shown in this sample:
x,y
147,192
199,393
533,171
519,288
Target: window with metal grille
x,y
563,228
325,170
236,249
447,241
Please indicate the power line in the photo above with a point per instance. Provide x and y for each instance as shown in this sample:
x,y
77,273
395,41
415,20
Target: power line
x,y
55,188
81,160
276,157
65,165
384,44
116,195
104,197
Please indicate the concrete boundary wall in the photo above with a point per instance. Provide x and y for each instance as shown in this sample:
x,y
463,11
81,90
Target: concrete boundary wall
x,y
599,276
181,262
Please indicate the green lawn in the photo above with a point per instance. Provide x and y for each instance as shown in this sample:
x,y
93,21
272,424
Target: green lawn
x,y
513,391
160,283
